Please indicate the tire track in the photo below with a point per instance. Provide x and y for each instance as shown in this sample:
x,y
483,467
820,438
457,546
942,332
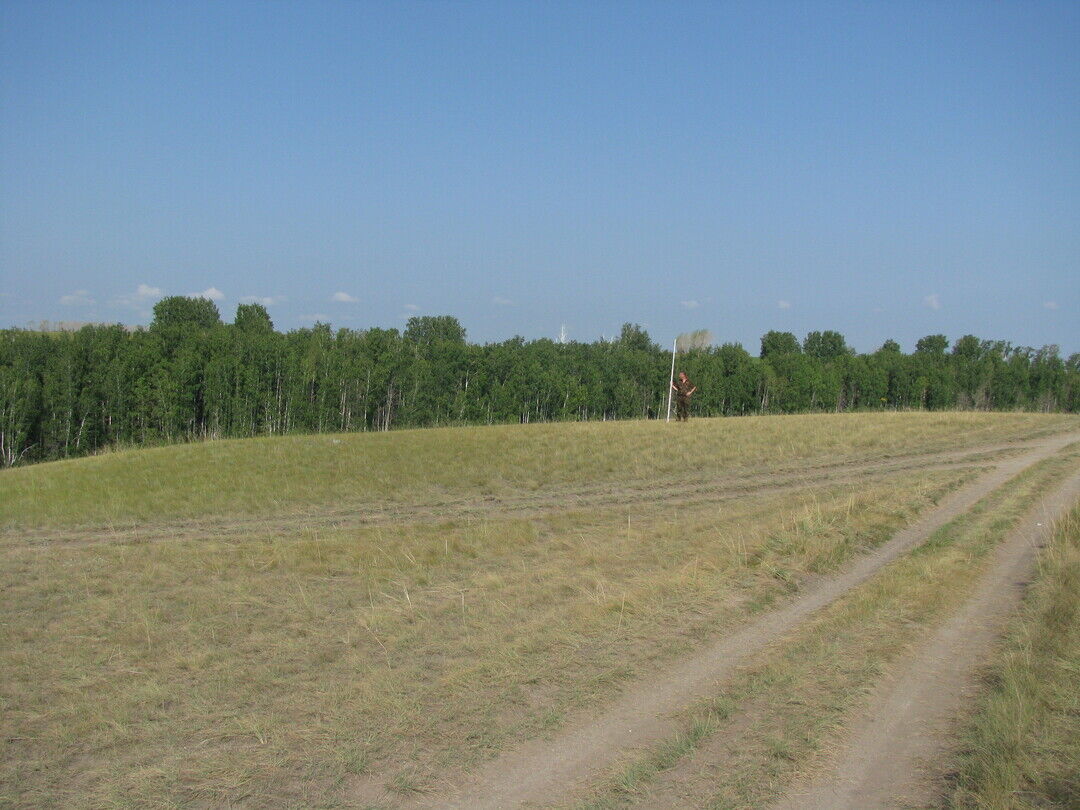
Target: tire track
x,y
694,490
542,772
894,753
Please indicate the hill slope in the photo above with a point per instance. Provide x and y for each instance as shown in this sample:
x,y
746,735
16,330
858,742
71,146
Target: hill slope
x,y
259,477
476,587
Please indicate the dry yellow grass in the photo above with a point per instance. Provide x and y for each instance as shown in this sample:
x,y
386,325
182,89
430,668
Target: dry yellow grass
x,y
786,709
1022,748
280,671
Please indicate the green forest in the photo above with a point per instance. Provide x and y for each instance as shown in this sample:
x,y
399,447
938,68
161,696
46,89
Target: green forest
x,y
189,376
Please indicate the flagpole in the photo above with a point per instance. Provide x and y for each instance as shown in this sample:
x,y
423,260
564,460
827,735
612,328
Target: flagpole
x,y
671,379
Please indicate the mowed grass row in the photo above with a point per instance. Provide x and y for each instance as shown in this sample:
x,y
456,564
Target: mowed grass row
x,y
319,670
255,477
1022,749
783,714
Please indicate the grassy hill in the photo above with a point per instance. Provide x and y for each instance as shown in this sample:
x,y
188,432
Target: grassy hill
x,y
185,626
272,475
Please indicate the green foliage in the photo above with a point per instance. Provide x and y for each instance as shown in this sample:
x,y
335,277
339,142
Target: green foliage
x,y
633,336
191,377
827,345
425,329
253,318
179,310
774,344
932,344
969,348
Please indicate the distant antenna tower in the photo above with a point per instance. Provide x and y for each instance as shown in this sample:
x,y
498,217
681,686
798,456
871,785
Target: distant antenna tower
x,y
562,333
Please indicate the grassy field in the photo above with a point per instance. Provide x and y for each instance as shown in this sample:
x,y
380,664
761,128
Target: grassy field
x,y
787,709
315,667
264,476
1022,749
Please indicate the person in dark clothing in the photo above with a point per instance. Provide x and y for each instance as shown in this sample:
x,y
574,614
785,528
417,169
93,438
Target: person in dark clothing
x,y
684,389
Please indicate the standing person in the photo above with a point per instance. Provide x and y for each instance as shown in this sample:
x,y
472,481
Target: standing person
x,y
684,389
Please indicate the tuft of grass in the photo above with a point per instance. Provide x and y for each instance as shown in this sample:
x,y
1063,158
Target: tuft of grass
x,y
1022,748
407,782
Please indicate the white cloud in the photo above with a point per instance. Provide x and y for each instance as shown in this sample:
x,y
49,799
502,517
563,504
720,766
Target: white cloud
x,y
690,304
1050,304
211,293
412,307
499,301
344,298
782,304
79,298
138,300
932,301
265,300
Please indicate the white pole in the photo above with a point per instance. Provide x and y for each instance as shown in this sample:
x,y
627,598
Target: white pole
x,y
671,379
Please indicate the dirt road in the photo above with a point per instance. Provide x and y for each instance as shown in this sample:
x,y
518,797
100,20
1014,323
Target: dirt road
x,y
543,772
892,757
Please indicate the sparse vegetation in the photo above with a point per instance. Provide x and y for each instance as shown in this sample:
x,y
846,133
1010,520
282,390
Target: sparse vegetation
x,y
1023,747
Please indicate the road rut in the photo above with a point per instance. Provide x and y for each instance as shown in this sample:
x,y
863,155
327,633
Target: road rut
x,y
701,489
893,755
552,770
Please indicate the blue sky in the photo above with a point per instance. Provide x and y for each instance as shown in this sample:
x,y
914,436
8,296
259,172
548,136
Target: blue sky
x,y
882,169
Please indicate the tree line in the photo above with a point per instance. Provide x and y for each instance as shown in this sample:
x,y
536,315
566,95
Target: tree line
x,y
189,376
